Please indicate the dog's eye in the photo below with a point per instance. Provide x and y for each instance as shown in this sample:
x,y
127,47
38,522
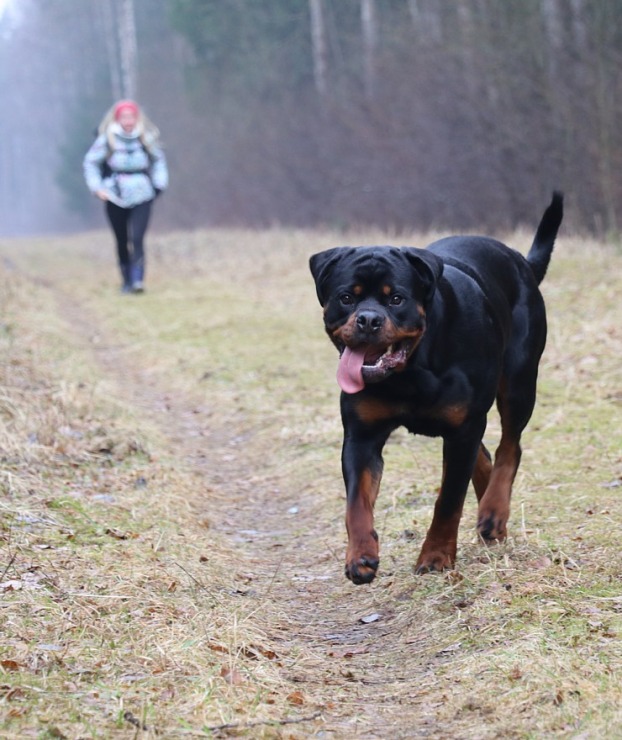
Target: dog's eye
x,y
396,300
346,299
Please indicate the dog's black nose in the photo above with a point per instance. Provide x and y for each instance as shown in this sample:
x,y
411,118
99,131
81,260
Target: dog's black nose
x,y
369,321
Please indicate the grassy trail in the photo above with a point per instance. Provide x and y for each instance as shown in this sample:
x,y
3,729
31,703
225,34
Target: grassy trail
x,y
173,514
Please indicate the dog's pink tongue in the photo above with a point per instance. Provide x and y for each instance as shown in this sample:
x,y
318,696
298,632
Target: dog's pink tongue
x,y
349,373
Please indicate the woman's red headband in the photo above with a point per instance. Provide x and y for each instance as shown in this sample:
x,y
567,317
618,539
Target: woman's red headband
x,y
125,105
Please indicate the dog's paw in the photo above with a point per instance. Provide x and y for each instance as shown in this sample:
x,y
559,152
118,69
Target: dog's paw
x,y
362,569
492,527
433,561
362,558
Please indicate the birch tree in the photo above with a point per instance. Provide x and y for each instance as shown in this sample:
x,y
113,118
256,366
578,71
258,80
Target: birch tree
x,y
118,21
318,44
370,43
128,49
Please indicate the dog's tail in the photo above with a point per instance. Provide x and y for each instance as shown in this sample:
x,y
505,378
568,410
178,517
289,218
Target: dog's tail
x,y
540,253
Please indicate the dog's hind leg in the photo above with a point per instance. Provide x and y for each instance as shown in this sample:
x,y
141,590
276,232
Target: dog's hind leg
x,y
516,398
515,401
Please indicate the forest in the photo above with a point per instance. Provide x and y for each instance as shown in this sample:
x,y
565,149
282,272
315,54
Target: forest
x,y
402,114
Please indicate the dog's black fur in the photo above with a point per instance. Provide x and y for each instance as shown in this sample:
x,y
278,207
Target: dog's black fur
x,y
428,340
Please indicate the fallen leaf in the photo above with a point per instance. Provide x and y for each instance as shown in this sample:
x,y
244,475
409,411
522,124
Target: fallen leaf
x,y
14,692
254,651
10,665
217,648
515,674
11,586
16,712
121,535
453,577
231,675
296,698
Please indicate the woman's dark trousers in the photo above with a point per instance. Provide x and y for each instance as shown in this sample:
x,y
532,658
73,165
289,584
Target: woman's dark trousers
x,y
129,226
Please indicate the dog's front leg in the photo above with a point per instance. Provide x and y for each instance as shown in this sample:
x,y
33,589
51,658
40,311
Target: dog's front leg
x,y
441,543
362,470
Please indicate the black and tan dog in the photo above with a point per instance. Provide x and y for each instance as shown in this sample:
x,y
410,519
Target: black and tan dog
x,y
428,339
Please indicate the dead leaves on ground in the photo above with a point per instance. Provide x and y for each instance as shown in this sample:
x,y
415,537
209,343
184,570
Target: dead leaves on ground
x,y
230,672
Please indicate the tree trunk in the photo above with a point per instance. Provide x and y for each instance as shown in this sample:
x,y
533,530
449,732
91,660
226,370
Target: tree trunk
x,y
128,49
318,44
370,42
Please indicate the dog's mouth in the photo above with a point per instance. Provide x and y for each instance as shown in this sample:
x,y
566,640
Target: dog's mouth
x,y
368,363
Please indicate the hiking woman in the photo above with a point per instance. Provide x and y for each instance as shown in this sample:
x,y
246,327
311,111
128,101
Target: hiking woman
x,y
126,168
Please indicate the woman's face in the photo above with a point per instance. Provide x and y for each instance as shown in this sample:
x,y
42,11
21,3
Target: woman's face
x,y
127,120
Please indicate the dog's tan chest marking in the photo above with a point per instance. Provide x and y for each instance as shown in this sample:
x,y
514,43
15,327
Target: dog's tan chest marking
x,y
371,410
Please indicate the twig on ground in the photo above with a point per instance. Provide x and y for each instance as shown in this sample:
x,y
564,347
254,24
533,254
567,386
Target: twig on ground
x,y
10,563
259,723
196,581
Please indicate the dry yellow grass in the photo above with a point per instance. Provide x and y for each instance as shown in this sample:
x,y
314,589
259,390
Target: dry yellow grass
x,y
172,513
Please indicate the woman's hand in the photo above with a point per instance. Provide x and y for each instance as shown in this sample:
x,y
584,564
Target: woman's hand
x,y
101,194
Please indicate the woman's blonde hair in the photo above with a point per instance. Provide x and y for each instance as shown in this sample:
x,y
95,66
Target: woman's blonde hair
x,y
148,132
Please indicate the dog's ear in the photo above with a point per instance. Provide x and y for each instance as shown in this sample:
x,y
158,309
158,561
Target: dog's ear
x,y
428,267
322,265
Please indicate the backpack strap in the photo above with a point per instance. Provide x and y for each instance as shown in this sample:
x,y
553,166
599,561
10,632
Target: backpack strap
x,y
107,170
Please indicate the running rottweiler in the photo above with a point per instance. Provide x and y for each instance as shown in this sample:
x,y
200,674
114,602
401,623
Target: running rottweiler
x,y
428,339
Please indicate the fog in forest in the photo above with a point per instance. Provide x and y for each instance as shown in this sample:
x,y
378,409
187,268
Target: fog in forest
x,y
402,114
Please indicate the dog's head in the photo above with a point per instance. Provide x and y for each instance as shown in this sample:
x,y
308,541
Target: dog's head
x,y
375,301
